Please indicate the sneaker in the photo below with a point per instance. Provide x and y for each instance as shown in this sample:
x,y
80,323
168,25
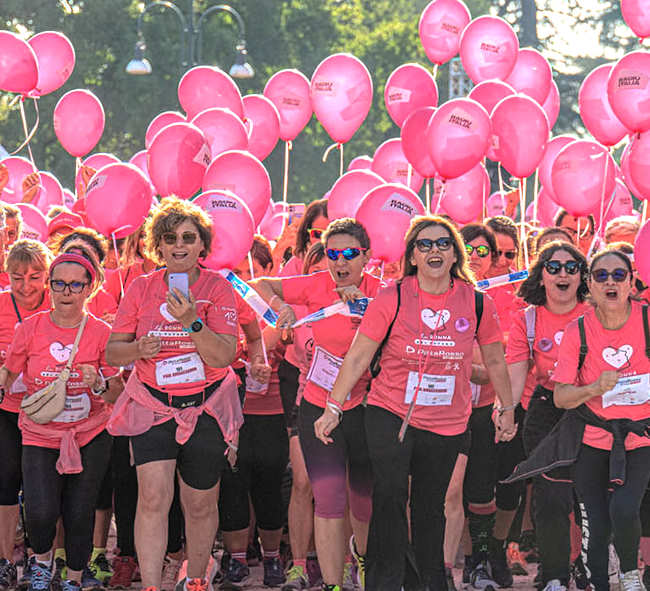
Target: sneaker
x,y
192,585
555,585
451,585
8,575
40,577
481,579
221,571
579,574
123,571
314,575
170,572
89,582
273,573
499,565
296,579
59,575
101,569
348,577
325,587
516,560
68,585
23,582
631,581
360,571
235,575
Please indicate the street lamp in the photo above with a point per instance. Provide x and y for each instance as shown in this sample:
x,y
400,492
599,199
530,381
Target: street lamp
x,y
191,40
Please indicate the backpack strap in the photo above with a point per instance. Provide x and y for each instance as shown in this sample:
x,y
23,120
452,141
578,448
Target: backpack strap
x,y
646,330
374,366
583,342
530,314
13,301
478,308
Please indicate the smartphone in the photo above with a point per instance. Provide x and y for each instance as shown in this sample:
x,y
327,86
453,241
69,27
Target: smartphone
x,y
179,281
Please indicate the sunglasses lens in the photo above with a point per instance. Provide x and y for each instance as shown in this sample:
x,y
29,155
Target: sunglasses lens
x,y
444,243
600,275
333,254
189,237
169,238
619,275
482,250
571,267
553,267
351,253
424,244
510,255
469,249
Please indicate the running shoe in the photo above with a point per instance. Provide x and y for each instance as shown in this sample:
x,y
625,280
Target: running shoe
x,y
221,571
631,581
348,578
273,573
499,565
192,585
451,585
68,585
89,582
579,574
101,569
8,575
296,579
325,587
23,582
360,571
555,585
59,575
235,576
516,560
40,577
123,571
170,572
481,579
313,571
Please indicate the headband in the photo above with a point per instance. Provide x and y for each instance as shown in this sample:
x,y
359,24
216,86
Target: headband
x,y
70,257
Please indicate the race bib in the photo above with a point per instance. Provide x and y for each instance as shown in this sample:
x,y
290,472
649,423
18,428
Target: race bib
x,y
324,369
182,369
629,391
434,390
76,408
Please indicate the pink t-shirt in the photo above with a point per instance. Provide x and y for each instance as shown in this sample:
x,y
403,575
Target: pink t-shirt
x,y
129,275
8,323
293,268
621,350
40,350
102,304
332,336
245,315
177,369
433,336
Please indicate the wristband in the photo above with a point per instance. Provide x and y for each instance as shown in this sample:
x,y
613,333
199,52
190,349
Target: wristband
x,y
502,409
335,409
338,405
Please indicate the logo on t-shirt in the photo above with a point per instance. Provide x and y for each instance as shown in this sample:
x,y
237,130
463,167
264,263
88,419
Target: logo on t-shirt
x,y
164,312
462,324
558,337
618,357
545,345
60,352
435,319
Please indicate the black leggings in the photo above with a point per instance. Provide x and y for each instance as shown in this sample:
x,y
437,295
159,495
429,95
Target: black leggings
x,y
49,494
616,512
261,461
429,459
509,454
11,449
481,472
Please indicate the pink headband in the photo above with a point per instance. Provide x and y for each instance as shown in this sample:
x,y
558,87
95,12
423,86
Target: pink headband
x,y
70,257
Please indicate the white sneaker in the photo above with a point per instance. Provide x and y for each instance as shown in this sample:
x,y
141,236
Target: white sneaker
x,y
171,570
555,585
631,581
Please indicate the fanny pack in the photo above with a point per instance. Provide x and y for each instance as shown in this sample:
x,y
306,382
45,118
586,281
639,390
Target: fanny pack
x,y
48,402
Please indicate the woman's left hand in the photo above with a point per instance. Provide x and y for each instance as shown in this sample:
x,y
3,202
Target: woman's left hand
x,y
505,426
350,293
181,308
260,371
325,424
89,375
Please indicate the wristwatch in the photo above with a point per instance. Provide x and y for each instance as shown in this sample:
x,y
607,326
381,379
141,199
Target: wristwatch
x,y
196,326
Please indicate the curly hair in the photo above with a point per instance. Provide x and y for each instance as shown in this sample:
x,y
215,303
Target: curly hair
x,y
87,236
348,226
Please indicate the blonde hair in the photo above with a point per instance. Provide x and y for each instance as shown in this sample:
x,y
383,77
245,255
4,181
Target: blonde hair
x,y
28,253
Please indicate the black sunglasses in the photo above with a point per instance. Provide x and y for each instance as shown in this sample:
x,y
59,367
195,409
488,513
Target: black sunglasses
x,y
348,253
509,254
601,275
427,244
554,267
170,238
481,250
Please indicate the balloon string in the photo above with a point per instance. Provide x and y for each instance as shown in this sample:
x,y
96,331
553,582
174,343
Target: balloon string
x,y
435,71
285,180
252,271
77,167
28,135
484,208
327,152
442,192
644,214
340,159
409,174
117,260
535,199
602,199
522,206
427,190
500,178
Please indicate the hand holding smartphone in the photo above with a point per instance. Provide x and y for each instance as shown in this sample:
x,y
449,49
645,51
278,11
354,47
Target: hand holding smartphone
x,y
179,281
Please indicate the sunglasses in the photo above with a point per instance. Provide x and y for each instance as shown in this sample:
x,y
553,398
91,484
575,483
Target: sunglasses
x,y
554,267
315,233
170,238
481,250
348,253
427,244
601,275
509,254
59,286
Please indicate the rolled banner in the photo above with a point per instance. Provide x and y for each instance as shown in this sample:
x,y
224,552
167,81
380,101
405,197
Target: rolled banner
x,y
355,308
502,279
251,297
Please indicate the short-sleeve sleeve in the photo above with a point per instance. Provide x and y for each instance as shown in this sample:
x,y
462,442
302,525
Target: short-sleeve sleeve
x,y
518,348
489,330
379,314
16,359
245,314
566,370
296,290
126,320
222,315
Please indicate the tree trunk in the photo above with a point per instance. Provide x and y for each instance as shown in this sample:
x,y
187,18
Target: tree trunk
x,y
529,24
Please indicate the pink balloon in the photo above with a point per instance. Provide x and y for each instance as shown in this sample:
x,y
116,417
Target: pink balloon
x,y
488,48
583,174
96,161
289,91
360,163
118,199
628,90
531,75
551,151
390,163
386,213
68,198
620,203
636,13
34,222
625,171
158,122
232,233
457,137
520,132
262,124
51,192
489,92
18,64
637,164
496,204
177,160
273,227
440,28
79,121
463,196
414,144
409,88
204,87
551,105
595,110
244,175
139,159
642,253
18,168
341,95
223,130
349,190
547,209
56,59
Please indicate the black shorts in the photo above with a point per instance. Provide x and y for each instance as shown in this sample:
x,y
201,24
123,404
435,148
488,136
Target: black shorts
x,y
289,379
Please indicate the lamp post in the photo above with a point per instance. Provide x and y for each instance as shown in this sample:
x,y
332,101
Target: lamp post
x,y
191,40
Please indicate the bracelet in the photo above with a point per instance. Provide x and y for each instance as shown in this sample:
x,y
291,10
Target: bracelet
x,y
99,391
502,409
335,409
335,403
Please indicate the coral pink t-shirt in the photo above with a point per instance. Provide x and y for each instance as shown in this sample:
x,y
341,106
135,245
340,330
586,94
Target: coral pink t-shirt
x,y
8,323
332,336
102,305
40,350
621,350
433,336
245,315
293,268
264,399
178,368
112,284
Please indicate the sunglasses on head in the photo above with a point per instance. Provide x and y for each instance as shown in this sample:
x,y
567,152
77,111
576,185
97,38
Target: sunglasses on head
x,y
427,244
348,253
554,267
601,275
170,238
481,250
509,254
315,233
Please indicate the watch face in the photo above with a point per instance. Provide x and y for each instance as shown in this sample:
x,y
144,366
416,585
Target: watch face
x,y
196,326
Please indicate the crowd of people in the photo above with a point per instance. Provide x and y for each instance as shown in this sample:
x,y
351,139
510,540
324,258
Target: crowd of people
x,y
365,449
